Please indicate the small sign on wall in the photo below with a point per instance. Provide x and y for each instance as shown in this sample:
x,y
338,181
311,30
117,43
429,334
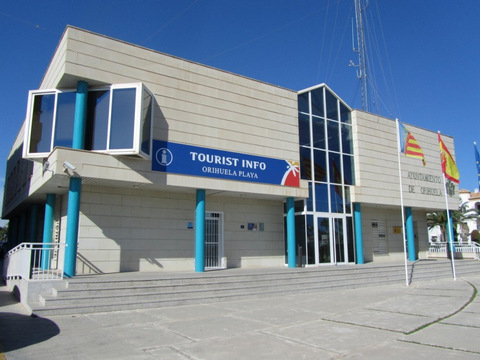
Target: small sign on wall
x,y
397,230
254,226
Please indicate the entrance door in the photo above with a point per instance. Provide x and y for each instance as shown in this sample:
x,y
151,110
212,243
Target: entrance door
x,y
331,240
213,240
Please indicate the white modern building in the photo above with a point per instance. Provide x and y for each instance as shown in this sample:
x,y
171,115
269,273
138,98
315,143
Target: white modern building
x,y
141,161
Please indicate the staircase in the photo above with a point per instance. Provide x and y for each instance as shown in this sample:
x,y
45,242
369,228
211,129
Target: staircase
x,y
129,291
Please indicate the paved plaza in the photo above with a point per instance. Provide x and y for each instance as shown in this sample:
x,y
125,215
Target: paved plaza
x,y
437,319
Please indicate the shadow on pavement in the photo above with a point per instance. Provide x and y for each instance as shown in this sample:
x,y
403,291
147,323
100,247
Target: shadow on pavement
x,y
20,330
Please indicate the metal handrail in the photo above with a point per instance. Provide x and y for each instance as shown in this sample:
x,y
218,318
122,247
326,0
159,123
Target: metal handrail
x,y
34,261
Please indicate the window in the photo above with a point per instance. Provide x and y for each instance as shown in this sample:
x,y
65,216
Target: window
x,y
347,141
304,129
320,165
317,102
119,120
303,103
319,139
305,163
41,122
331,100
321,198
333,136
97,119
326,151
121,124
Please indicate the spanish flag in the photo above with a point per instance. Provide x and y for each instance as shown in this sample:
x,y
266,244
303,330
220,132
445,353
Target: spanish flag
x,y
449,167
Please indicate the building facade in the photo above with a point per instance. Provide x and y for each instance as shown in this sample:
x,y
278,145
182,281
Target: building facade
x,y
141,161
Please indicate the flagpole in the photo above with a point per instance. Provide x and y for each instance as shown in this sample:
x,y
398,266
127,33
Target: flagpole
x,y
401,203
477,161
449,224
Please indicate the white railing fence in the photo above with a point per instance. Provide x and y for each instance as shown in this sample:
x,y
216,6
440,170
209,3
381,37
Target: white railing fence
x,y
443,247
34,261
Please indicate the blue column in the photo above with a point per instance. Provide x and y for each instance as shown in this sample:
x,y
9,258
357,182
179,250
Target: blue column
x,y
200,232
358,232
32,236
73,217
412,254
48,230
80,119
73,210
291,232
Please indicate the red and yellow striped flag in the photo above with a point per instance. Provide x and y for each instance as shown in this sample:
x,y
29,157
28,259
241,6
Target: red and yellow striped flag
x,y
410,146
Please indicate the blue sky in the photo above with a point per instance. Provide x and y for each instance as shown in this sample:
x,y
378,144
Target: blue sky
x,y
427,74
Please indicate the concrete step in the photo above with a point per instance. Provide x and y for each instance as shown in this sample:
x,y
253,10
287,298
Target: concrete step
x,y
159,279
142,294
221,282
126,291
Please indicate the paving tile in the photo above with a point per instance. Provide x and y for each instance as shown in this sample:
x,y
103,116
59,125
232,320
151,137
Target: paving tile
x,y
214,327
385,320
464,318
333,337
448,336
277,316
187,312
398,350
148,335
421,305
254,346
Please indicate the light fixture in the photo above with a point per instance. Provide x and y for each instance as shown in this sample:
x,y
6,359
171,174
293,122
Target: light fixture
x,y
67,165
46,166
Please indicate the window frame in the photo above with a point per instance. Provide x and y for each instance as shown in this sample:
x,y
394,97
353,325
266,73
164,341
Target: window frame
x,y
139,119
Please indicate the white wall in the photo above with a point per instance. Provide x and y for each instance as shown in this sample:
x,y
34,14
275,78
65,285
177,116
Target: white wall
x,y
136,230
376,161
392,218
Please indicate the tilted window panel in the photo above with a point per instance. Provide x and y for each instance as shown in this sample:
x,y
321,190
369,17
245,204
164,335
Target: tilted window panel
x,y
119,121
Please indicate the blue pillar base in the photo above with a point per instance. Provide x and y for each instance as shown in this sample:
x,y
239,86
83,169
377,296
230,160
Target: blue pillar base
x,y
291,232
73,217
48,230
200,232
358,233
412,255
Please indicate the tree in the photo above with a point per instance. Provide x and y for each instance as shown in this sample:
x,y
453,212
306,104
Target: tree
x,y
463,216
460,218
439,219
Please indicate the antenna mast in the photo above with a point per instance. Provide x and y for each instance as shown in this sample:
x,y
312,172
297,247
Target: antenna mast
x,y
361,50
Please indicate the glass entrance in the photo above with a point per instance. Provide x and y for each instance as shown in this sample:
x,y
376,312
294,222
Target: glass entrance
x,y
330,240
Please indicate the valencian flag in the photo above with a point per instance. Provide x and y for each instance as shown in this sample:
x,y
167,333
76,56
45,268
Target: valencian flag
x,y
449,167
409,145
477,161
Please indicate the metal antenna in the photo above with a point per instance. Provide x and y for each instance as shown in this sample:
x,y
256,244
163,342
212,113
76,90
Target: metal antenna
x,y
361,50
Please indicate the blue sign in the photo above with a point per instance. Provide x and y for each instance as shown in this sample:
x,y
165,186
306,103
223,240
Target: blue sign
x,y
184,159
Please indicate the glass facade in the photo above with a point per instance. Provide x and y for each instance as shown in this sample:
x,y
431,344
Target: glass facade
x,y
119,120
324,231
